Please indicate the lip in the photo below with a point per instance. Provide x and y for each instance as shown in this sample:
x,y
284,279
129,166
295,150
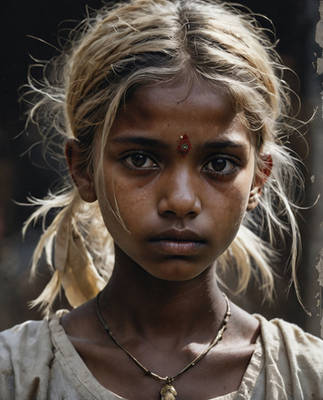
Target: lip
x,y
180,235
177,242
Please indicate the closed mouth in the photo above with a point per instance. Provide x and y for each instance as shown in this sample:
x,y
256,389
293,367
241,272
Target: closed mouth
x,y
177,242
178,236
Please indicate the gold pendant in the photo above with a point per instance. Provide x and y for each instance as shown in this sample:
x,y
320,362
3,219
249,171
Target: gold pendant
x,y
168,392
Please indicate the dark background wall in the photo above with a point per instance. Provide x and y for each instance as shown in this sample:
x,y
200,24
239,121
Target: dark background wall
x,y
24,173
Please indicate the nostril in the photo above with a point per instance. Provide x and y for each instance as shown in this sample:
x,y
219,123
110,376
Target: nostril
x,y
179,206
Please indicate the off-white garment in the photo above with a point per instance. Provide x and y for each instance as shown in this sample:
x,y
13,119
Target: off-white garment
x,y
38,362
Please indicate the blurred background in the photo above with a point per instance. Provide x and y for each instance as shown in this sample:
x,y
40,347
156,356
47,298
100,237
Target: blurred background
x,y
24,171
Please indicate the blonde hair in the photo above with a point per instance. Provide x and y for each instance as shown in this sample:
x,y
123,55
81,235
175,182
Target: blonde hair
x,y
151,41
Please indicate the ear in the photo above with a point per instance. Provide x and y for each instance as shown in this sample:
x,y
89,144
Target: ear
x,y
259,181
81,176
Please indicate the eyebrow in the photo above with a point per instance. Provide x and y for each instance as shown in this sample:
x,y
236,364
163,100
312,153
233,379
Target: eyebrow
x,y
150,142
221,144
144,141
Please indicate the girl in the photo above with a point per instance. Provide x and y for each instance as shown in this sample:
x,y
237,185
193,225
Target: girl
x,y
173,117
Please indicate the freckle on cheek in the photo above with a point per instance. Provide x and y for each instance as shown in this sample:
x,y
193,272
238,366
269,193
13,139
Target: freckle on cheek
x,y
127,199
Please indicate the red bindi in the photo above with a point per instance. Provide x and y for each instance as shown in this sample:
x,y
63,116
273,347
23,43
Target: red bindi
x,y
184,145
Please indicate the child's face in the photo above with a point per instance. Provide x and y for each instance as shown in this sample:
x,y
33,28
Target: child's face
x,y
181,210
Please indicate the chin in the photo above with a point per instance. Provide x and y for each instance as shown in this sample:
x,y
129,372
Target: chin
x,y
176,273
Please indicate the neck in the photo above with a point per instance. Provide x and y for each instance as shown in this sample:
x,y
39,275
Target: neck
x,y
135,300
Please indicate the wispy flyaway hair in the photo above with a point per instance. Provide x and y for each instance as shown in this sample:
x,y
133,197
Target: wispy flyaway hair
x,y
144,42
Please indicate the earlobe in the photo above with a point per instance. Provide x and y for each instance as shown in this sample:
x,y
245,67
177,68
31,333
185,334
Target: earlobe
x,y
259,181
81,176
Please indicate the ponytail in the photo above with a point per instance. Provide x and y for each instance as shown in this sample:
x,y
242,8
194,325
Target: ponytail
x,y
72,263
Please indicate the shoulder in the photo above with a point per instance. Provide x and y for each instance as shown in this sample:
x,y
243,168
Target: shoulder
x,y
25,356
280,334
292,358
19,342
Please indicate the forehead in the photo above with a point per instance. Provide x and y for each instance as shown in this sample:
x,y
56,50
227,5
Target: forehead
x,y
194,106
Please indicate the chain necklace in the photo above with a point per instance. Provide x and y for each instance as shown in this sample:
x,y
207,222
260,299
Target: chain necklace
x,y
168,392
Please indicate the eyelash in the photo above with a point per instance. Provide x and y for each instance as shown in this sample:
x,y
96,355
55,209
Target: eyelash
x,y
228,160
140,153
154,165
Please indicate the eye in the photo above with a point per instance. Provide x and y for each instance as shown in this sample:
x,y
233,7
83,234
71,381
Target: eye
x,y
220,165
139,161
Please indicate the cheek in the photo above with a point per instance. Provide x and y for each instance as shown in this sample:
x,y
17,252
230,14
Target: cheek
x,y
234,198
131,199
231,204
230,215
234,208
121,200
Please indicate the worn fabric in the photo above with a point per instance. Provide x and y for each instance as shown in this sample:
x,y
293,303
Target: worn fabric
x,y
38,362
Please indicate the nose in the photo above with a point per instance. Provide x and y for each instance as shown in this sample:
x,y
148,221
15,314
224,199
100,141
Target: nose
x,y
179,195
